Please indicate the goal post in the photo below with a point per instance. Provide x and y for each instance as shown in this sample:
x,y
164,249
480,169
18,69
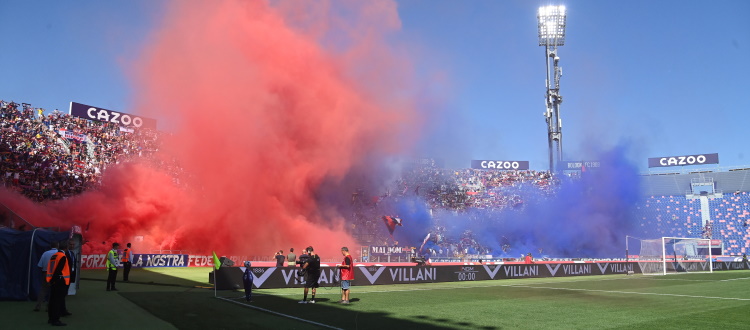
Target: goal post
x,y
675,255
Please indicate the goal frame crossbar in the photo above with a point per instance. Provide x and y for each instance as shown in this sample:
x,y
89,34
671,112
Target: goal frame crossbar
x,y
664,254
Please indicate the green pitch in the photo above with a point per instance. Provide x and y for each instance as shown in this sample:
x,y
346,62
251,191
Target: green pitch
x,y
182,298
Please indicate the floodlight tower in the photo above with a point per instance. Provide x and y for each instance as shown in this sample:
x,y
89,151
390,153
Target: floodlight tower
x,y
552,34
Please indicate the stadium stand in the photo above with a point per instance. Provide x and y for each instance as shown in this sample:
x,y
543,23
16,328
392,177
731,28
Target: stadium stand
x,y
729,179
674,216
678,216
730,221
54,156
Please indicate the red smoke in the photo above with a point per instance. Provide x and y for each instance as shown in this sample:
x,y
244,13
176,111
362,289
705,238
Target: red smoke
x,y
265,103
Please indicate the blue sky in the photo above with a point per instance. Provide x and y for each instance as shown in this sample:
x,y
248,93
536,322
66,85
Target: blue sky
x,y
664,77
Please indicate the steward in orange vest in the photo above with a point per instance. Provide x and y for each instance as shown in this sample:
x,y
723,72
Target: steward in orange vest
x,y
127,262
58,276
57,270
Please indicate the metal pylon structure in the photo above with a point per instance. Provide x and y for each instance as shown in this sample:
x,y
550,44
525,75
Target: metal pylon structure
x,y
552,20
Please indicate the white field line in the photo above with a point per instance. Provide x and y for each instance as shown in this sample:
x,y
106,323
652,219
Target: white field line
x,y
628,292
279,314
676,279
430,289
734,279
538,283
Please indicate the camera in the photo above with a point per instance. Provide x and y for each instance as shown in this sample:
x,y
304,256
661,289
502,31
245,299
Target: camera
x,y
420,261
302,260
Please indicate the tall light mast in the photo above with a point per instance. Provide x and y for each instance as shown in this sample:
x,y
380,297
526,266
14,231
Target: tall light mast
x,y
552,34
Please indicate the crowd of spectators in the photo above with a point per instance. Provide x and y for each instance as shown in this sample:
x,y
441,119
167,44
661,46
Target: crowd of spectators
x,y
472,188
468,192
55,155
49,155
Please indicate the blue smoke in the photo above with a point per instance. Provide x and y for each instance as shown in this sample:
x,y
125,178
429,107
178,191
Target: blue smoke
x,y
586,217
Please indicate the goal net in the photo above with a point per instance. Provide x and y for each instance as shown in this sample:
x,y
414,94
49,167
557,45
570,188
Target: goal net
x,y
671,255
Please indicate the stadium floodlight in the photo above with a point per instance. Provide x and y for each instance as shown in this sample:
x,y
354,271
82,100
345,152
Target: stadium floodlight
x,y
551,25
552,20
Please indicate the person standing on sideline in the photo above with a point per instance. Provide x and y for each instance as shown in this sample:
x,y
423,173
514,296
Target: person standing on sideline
x,y
70,266
58,277
44,286
247,280
312,274
279,258
291,258
113,259
72,260
528,259
127,262
302,260
347,274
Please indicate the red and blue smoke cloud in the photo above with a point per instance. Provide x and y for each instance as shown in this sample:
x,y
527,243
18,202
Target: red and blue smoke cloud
x,y
270,109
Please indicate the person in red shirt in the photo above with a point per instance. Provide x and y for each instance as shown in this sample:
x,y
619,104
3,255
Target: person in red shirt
x,y
347,274
528,259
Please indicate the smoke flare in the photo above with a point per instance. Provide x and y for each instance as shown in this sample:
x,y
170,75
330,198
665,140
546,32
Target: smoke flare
x,y
268,110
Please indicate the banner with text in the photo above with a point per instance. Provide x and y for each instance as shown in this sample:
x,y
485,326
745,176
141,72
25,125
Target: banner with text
x,y
283,277
389,251
669,161
72,136
90,261
581,165
120,118
500,164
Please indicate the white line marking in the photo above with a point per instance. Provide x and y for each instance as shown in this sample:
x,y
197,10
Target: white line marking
x,y
280,314
734,279
537,283
676,279
628,292
452,287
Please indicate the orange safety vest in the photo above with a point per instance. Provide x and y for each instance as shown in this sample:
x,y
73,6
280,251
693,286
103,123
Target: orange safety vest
x,y
125,255
52,265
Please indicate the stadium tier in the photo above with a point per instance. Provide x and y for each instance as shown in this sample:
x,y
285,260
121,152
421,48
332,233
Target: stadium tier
x,y
54,155
730,222
674,216
678,216
677,183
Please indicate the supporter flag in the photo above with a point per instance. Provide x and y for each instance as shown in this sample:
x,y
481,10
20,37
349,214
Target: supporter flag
x,y
427,238
217,262
391,223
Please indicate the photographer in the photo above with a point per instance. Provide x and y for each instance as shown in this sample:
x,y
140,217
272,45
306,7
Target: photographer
x,y
311,269
302,258
301,262
279,256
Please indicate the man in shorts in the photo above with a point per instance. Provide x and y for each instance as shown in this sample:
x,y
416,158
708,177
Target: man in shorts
x,y
347,274
312,274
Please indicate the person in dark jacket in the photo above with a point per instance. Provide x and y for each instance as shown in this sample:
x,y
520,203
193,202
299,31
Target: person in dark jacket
x,y
247,280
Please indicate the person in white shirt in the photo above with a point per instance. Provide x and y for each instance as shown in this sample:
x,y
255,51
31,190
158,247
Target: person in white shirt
x,y
43,294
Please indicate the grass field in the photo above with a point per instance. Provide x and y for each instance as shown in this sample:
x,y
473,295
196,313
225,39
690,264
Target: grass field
x,y
168,298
